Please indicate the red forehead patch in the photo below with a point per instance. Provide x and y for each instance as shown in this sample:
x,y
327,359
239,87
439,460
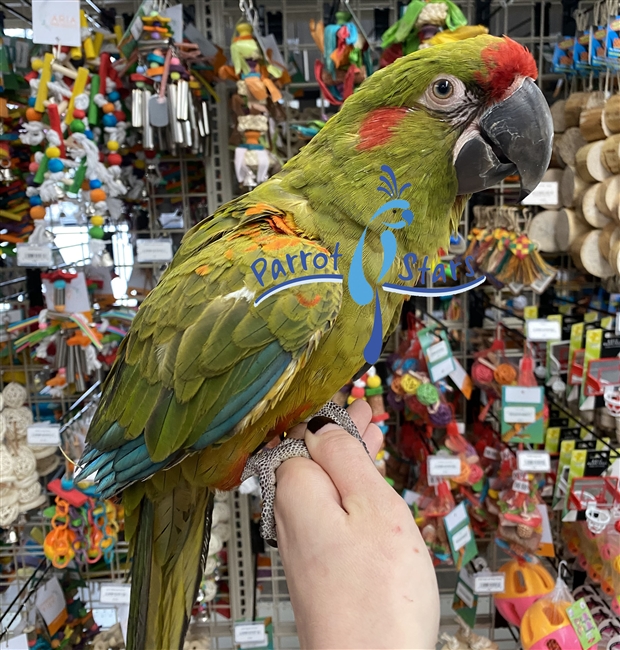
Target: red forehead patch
x,y
504,62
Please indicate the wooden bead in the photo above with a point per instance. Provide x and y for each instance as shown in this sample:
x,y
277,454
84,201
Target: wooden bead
x,y
97,195
37,212
33,116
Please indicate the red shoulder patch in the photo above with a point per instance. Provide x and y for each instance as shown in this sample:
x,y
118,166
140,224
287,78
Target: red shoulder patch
x,y
503,63
379,126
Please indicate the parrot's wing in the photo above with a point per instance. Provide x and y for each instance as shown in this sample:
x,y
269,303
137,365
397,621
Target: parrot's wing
x,y
202,359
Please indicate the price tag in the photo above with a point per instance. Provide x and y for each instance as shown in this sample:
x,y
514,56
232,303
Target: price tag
x,y
43,434
491,453
456,517
541,329
31,255
115,594
105,617
534,461
442,369
460,538
523,394
437,352
411,497
519,414
50,601
521,486
465,594
56,22
545,193
584,625
444,466
154,250
489,583
250,633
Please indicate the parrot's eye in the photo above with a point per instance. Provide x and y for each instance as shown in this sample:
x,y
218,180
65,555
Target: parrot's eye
x,y
444,93
443,89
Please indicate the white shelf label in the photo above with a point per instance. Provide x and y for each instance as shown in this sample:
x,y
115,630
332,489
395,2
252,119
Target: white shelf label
x,y
31,255
461,538
43,434
519,414
524,394
444,466
534,461
545,193
154,250
490,583
437,352
454,518
465,594
521,486
491,453
442,369
541,329
56,22
115,594
250,633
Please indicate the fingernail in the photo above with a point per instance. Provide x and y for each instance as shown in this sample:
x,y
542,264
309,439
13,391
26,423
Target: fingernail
x,y
318,422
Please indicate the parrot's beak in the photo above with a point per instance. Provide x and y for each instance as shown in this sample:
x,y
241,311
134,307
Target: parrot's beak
x,y
514,135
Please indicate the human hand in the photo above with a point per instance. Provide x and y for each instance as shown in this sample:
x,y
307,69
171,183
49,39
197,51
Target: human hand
x,y
358,571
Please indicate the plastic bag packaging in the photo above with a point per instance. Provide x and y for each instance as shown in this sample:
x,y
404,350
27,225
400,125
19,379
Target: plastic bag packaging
x,y
546,623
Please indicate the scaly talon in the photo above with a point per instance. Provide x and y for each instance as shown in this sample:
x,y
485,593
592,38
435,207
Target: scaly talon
x,y
266,462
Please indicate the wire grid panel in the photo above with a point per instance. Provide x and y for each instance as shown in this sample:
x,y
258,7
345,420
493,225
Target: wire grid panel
x,y
22,553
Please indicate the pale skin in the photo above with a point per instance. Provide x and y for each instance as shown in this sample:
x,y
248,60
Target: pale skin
x,y
357,568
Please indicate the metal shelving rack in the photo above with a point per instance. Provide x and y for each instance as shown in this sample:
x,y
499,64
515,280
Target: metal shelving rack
x,y
216,19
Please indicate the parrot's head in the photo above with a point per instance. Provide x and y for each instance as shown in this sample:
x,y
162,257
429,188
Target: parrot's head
x,y
479,95
451,120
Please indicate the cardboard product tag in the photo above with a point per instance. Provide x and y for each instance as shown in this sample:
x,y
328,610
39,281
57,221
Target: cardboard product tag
x,y
438,353
460,536
522,414
50,601
56,22
583,624
465,601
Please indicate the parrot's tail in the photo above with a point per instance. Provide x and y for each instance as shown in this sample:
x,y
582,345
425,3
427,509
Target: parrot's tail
x,y
169,551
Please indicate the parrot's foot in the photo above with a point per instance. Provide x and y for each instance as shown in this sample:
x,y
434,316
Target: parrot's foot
x,y
266,462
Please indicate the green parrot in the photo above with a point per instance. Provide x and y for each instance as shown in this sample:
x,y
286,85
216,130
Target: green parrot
x,y
272,304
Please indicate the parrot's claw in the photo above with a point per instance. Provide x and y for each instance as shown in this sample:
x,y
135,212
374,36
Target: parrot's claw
x,y
266,462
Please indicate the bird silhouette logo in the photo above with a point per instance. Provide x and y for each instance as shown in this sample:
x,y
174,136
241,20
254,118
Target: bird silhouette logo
x,y
362,289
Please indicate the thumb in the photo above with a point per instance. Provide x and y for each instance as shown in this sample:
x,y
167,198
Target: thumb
x,y
346,462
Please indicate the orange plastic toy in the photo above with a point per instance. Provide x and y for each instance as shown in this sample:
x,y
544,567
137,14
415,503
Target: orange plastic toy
x,y
526,582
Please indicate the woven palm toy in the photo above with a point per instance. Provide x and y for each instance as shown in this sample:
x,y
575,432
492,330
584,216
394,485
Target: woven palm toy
x,y
345,60
424,23
259,77
504,253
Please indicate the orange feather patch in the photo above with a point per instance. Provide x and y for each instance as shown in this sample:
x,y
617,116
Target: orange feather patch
x,y
308,302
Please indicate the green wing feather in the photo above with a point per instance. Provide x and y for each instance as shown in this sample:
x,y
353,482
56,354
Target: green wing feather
x,y
198,343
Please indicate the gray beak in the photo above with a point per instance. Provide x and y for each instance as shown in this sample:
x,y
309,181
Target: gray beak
x,y
515,136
